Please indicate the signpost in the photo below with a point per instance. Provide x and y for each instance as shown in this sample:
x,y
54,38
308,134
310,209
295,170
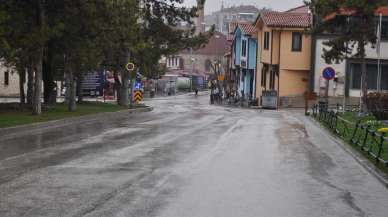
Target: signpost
x,y
135,88
137,96
328,74
137,91
130,67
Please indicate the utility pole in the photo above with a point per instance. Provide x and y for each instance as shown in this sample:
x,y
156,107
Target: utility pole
x,y
379,53
192,69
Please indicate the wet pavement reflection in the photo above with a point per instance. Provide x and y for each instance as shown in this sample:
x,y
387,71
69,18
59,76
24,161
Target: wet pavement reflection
x,y
185,159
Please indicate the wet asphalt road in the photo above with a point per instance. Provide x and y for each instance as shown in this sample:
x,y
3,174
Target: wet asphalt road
x,y
186,159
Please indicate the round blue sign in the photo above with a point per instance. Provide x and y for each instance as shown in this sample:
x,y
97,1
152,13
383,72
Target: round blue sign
x,y
328,73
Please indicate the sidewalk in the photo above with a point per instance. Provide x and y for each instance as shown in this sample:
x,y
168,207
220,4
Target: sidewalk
x,y
10,132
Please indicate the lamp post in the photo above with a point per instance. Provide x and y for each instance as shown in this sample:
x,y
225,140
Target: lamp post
x,y
192,69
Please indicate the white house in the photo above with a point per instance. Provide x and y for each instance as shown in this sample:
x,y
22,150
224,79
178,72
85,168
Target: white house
x,y
348,72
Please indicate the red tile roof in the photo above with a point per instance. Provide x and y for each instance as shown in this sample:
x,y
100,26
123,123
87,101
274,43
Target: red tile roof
x,y
217,45
286,19
349,12
248,29
382,10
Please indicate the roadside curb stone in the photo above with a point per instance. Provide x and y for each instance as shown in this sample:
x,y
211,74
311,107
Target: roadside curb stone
x,y
369,166
11,132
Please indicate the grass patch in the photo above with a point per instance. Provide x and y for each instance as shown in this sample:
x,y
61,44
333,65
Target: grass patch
x,y
372,143
14,117
345,131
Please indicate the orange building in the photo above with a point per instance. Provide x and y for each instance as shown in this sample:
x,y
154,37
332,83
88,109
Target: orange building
x,y
283,60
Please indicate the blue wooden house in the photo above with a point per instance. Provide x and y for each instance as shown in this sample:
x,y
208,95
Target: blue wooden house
x,y
244,55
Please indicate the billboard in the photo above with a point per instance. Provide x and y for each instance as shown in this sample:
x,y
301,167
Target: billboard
x,y
93,84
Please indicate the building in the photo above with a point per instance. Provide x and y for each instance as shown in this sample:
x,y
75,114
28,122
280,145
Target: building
x,y
9,82
200,20
283,63
244,51
200,59
222,18
348,72
199,63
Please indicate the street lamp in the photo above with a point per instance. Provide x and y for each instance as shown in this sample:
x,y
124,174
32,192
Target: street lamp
x,y
192,69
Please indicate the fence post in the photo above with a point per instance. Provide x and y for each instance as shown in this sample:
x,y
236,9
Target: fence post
x,y
366,137
331,120
380,147
355,131
335,122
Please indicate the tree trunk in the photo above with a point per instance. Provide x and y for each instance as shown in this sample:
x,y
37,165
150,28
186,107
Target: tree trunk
x,y
22,81
125,77
72,106
30,85
79,89
49,85
70,85
117,85
364,83
67,87
37,99
36,102
124,95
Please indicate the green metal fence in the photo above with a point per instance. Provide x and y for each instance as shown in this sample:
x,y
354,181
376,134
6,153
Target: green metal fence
x,y
360,135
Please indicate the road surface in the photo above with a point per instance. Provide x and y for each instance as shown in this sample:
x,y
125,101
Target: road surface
x,y
185,159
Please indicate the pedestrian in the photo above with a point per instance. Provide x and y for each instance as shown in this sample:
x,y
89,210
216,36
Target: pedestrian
x,y
212,92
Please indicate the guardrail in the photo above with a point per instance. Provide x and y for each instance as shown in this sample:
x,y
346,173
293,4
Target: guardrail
x,y
358,134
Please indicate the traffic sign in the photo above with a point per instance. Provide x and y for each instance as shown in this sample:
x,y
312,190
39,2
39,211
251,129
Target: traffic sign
x,y
130,66
137,96
328,73
138,85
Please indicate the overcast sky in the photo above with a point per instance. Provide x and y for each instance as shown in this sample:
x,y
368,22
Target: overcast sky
x,y
281,5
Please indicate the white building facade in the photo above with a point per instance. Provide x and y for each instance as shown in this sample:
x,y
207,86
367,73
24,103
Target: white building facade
x,y
9,82
348,72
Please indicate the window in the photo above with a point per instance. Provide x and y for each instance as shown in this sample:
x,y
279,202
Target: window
x,y
264,76
296,41
6,78
372,73
266,41
356,76
384,77
244,48
371,76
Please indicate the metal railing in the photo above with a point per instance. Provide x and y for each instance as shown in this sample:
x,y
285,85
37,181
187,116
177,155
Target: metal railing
x,y
361,135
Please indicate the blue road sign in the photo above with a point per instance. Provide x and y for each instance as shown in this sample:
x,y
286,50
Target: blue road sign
x,y
328,73
137,85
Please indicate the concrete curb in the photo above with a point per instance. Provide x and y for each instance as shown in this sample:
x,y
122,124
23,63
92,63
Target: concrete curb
x,y
6,133
369,166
